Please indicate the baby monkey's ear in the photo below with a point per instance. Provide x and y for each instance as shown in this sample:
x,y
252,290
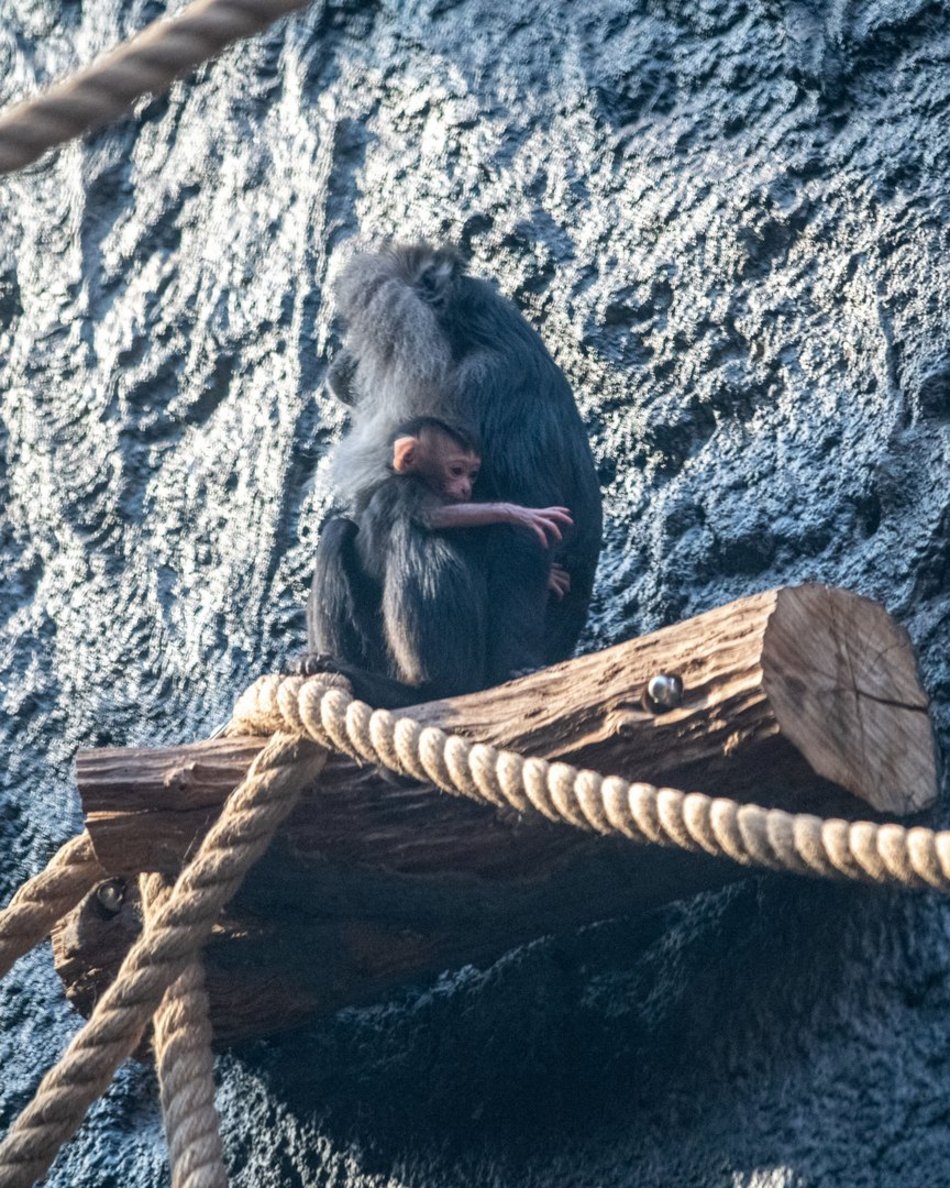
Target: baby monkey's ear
x,y
405,454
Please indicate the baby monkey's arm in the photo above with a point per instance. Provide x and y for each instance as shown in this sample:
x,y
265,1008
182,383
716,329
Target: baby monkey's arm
x,y
545,522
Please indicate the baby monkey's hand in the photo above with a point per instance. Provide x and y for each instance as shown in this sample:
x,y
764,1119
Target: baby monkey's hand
x,y
545,522
559,581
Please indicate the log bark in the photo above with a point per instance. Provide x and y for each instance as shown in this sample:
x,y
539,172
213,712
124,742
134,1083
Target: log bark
x,y
807,698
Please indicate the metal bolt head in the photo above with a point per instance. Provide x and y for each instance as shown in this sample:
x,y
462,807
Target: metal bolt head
x,y
664,692
110,896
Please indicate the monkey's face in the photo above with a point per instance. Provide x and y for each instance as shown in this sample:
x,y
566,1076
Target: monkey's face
x,y
456,473
448,467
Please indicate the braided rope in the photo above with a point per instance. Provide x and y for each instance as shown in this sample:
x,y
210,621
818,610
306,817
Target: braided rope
x,y
321,710
747,833
32,912
166,946
146,64
185,1066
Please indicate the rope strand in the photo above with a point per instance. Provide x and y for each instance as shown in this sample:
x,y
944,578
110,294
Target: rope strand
x,y
161,953
750,835
146,64
185,1066
32,912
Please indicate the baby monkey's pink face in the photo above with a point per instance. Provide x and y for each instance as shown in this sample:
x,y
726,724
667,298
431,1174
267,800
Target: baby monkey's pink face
x,y
446,466
455,472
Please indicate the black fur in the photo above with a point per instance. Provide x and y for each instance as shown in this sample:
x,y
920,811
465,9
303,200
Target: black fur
x,y
432,614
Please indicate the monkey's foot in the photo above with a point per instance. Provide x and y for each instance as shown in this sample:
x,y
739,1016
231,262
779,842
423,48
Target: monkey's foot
x,y
381,692
310,664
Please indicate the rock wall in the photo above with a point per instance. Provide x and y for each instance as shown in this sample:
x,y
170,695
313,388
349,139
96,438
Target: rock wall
x,y
729,221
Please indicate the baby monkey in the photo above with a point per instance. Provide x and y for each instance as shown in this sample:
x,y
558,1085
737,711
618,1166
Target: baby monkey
x,y
443,462
427,592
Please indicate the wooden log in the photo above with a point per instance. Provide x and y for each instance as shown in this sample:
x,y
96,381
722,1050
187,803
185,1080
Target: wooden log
x,y
806,698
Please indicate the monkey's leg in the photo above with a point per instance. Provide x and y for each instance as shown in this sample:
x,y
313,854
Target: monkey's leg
x,y
381,692
434,618
565,617
344,623
518,569
343,608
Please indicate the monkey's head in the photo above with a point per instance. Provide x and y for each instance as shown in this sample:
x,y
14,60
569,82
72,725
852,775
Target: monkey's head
x,y
431,271
444,456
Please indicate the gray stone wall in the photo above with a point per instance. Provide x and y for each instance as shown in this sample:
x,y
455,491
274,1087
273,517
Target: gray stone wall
x,y
729,221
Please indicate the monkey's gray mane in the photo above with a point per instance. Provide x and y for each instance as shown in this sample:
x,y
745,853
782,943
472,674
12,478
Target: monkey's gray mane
x,y
389,302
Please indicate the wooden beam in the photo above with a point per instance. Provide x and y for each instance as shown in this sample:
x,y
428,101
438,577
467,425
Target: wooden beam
x,y
806,698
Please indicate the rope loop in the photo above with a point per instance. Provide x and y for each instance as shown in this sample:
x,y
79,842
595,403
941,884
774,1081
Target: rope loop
x,y
39,903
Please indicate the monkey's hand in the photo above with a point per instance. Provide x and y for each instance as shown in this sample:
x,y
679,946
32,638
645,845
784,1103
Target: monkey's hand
x,y
544,522
559,581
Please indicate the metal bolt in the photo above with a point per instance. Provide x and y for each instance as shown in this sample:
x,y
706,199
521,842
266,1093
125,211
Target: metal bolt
x,y
664,692
110,896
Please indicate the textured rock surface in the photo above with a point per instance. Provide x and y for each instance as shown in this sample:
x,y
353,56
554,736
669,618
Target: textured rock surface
x,y
729,220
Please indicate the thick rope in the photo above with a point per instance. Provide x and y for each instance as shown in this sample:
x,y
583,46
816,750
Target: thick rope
x,y
294,709
146,64
237,839
185,1066
746,833
32,912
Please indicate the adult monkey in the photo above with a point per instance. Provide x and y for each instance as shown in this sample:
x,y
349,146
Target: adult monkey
x,y
423,338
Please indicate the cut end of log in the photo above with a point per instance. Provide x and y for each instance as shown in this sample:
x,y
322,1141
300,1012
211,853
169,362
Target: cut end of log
x,y
841,678
803,698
